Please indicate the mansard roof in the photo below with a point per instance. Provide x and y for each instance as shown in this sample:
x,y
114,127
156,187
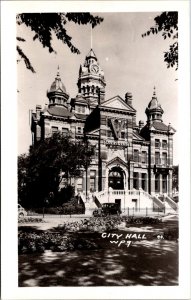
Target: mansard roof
x,y
80,99
80,116
160,126
59,111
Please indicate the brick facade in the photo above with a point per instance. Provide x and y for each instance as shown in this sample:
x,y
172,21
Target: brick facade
x,y
127,155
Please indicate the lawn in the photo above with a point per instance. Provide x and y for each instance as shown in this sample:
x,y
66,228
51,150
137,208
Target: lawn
x,y
147,262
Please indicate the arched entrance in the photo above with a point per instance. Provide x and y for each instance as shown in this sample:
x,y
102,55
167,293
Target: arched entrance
x,y
116,178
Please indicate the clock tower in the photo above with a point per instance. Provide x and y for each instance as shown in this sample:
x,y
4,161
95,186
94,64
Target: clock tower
x,y
91,81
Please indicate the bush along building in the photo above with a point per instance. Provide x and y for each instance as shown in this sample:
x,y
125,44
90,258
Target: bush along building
x,y
132,165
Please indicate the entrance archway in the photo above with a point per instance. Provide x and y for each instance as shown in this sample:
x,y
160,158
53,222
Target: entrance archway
x,y
116,178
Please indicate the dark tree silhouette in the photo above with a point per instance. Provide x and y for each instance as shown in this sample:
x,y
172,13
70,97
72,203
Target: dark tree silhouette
x,y
45,24
40,172
175,174
167,24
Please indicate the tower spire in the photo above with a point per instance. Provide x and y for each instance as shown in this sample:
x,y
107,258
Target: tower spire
x,y
58,71
154,92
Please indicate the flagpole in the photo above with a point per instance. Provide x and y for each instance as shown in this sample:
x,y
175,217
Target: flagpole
x,y
91,39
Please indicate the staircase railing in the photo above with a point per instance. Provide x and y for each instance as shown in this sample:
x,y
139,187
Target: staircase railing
x,y
171,202
83,197
96,201
158,202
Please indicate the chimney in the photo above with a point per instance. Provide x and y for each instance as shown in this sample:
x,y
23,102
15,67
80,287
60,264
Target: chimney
x,y
141,124
128,98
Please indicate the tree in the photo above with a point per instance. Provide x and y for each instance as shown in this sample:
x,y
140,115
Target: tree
x,y
175,174
22,177
47,162
45,24
167,24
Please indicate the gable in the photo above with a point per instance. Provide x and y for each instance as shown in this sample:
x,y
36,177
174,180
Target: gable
x,y
93,132
117,161
118,103
137,137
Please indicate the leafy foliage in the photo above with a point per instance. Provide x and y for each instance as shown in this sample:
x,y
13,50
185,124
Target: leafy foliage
x,y
25,58
45,24
84,234
30,220
175,174
22,176
167,24
41,171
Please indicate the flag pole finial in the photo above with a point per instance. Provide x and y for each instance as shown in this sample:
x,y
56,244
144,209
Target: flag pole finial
x,y
91,38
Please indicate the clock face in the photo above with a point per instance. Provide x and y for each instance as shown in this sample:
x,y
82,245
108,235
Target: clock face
x,y
94,68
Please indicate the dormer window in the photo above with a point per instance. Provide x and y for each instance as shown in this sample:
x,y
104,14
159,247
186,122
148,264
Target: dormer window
x,y
80,109
65,131
54,129
164,144
157,143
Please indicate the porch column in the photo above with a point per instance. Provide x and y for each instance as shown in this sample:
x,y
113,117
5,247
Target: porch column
x,y
130,177
161,189
169,183
104,185
152,179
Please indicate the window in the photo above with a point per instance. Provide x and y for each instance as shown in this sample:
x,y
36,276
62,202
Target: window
x,y
164,144
109,133
54,129
143,181
157,143
164,183
79,184
157,158
136,155
136,180
144,157
157,183
79,130
80,109
65,131
122,135
164,158
92,180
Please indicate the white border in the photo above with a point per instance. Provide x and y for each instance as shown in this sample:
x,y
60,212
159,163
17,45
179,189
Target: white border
x,y
9,151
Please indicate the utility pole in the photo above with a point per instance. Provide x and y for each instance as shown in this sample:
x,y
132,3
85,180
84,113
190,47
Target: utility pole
x,y
99,147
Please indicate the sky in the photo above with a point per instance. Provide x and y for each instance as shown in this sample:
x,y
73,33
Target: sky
x,y
130,64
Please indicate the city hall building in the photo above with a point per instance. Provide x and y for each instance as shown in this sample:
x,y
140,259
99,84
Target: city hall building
x,y
133,161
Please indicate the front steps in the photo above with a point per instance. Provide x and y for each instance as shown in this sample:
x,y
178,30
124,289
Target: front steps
x,y
133,202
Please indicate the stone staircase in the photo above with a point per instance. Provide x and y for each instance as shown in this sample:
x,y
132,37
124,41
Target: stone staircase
x,y
90,203
154,203
171,203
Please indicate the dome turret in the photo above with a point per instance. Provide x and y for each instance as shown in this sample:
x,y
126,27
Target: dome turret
x,y
154,110
57,93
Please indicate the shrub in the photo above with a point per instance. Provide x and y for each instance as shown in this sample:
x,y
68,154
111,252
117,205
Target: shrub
x,y
171,234
33,242
30,220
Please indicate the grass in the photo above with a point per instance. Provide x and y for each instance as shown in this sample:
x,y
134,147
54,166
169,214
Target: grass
x,y
150,262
